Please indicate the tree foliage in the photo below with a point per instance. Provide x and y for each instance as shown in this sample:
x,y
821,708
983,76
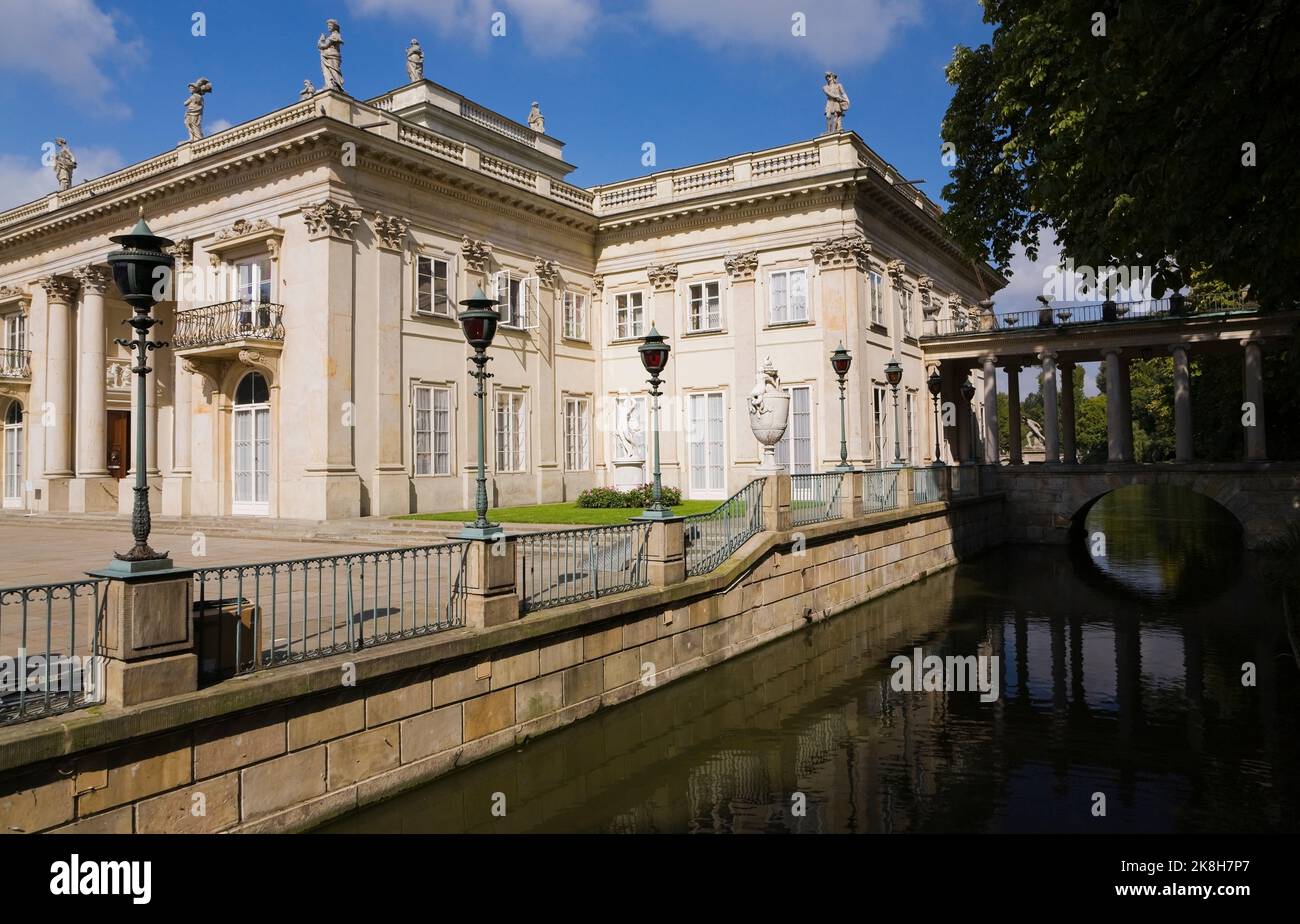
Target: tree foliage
x,y
1132,144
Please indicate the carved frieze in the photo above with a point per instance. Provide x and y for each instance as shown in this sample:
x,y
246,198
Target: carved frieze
x,y
243,227
331,219
853,251
663,277
390,231
742,265
476,254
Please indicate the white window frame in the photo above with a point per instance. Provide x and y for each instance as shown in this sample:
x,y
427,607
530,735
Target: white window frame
x,y
261,410
700,323
260,285
787,275
447,395
577,442
880,421
576,305
12,450
517,294
433,259
905,308
707,491
785,448
910,419
510,441
633,326
876,296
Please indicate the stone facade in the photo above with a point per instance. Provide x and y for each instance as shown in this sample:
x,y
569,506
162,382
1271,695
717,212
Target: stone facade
x,y
290,748
323,247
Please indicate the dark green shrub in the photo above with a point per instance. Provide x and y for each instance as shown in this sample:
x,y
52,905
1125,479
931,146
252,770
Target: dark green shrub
x,y
605,498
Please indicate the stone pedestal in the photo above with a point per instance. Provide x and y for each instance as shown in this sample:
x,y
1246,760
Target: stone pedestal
x,y
93,494
666,552
629,474
176,496
126,493
776,502
490,582
390,492
148,638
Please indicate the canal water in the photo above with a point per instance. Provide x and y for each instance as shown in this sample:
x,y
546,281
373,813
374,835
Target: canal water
x,y
1120,690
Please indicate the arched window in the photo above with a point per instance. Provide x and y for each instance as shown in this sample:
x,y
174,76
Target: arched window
x,y
12,457
251,446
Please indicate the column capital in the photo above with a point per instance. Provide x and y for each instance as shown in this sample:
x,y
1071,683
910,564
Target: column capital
x,y
94,280
1174,348
663,277
988,359
328,218
852,251
390,231
476,254
742,266
1253,341
60,289
1046,355
547,273
1107,351
896,270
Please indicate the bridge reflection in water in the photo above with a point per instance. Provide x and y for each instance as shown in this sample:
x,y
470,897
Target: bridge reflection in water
x,y
1136,697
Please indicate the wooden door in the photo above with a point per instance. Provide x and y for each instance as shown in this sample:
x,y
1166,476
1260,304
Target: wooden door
x,y
119,443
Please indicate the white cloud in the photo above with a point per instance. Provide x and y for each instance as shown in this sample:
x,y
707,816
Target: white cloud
x,y
218,125
544,25
1027,280
840,33
68,42
23,179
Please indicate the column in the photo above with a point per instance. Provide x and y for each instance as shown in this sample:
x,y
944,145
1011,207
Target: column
x,y
841,263
1126,411
549,472
389,485
176,486
1013,409
1050,428
1069,455
56,415
1182,404
92,489
1254,391
743,325
990,409
1114,398
663,315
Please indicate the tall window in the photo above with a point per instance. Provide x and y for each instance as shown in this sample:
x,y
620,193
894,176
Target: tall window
x,y
432,436
575,315
432,289
14,346
911,427
253,280
13,455
514,296
512,432
577,435
705,307
875,288
905,306
788,295
629,315
879,416
704,440
251,447
796,447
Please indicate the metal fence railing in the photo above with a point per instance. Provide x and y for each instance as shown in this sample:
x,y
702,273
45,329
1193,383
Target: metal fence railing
x,y
712,537
565,566
51,659
270,613
815,498
928,484
879,489
1067,314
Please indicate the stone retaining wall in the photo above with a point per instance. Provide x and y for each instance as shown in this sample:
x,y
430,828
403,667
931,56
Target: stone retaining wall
x,y
289,748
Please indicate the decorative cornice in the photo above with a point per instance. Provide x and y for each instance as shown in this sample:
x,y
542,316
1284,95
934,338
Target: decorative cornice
x,y
243,227
390,231
476,254
546,271
16,294
663,277
853,251
94,280
59,288
331,219
742,266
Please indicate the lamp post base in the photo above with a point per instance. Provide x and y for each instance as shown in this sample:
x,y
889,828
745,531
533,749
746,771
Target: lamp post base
x,y
843,469
119,567
490,531
665,513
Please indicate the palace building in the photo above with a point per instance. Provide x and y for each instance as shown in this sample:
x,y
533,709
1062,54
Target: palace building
x,y
315,368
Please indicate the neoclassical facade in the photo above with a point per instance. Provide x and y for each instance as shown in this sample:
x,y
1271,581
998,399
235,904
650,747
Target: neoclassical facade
x,y
315,368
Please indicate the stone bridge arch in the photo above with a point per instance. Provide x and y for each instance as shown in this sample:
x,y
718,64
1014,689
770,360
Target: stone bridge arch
x,y
1044,502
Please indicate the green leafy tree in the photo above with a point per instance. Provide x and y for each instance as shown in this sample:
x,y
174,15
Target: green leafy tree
x,y
1143,132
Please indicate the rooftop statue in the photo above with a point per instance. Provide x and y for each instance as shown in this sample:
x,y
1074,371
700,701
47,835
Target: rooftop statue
x,y
414,62
194,107
331,56
64,164
837,103
307,91
535,120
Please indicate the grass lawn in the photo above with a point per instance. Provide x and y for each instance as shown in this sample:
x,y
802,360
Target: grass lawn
x,y
569,513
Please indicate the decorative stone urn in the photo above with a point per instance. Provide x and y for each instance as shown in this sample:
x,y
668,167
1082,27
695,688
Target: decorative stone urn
x,y
769,415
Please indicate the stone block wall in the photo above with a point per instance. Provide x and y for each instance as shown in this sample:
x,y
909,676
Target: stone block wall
x,y
276,753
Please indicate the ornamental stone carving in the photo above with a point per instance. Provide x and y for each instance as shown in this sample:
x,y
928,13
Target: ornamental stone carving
x,y
243,226
331,56
742,266
598,284
13,293
182,250
929,304
93,280
414,62
546,271
117,375
59,288
390,230
194,108
853,251
331,219
64,164
476,254
897,271
664,277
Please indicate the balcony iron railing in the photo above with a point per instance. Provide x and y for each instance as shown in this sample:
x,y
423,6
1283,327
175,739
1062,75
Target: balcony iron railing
x,y
1066,315
228,322
568,565
712,537
15,364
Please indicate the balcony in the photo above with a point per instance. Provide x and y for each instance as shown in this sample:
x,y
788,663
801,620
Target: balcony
x,y
1065,317
226,328
16,365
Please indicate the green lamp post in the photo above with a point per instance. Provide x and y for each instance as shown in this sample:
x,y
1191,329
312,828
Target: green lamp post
x,y
654,357
139,266
479,322
841,360
935,384
968,395
894,375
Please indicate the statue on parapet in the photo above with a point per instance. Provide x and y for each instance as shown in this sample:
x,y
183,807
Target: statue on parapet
x,y
535,120
414,62
837,103
64,164
194,107
331,56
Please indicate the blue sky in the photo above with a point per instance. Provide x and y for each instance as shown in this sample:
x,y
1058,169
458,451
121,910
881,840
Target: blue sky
x,y
701,79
